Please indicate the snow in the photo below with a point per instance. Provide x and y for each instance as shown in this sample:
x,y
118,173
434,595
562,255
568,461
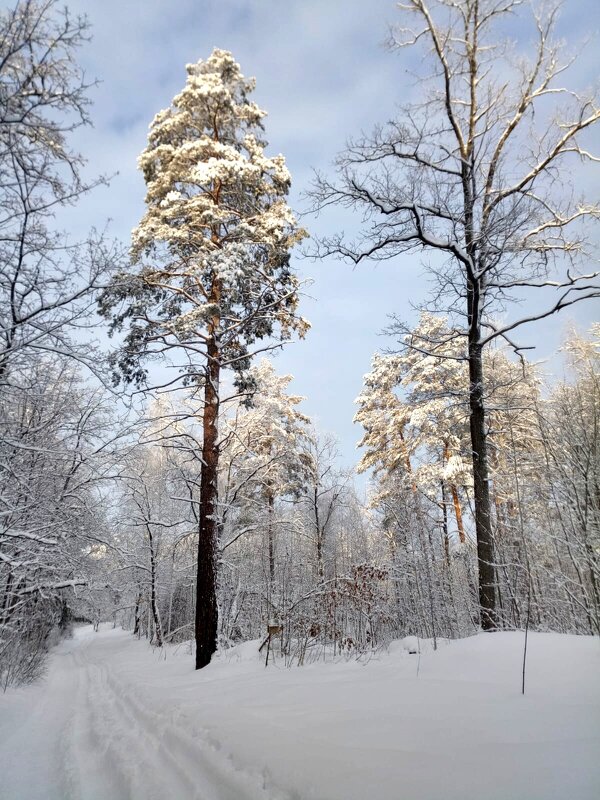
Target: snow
x,y
410,644
117,720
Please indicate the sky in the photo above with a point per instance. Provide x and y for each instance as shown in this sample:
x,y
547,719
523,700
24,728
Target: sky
x,y
322,75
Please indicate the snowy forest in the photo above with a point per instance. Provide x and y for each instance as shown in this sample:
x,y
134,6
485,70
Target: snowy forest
x,y
160,473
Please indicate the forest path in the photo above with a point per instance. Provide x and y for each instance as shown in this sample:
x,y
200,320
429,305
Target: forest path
x,y
86,732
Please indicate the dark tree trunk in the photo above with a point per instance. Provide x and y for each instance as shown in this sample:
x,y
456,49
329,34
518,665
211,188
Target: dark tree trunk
x,y
483,521
445,540
320,533
153,596
136,615
271,534
206,583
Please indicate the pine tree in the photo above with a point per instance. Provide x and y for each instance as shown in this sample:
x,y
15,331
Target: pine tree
x,y
265,451
213,274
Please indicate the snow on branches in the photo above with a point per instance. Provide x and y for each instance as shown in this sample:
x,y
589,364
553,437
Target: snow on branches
x,y
213,246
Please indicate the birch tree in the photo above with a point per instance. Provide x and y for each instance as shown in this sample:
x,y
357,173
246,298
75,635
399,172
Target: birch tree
x,y
478,173
213,276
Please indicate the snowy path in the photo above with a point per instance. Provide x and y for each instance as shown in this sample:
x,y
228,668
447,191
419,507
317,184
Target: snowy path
x,y
115,720
83,734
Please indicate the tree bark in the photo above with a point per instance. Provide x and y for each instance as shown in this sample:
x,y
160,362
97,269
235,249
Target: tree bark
x,y
483,522
455,500
136,615
271,534
158,636
320,535
445,540
206,580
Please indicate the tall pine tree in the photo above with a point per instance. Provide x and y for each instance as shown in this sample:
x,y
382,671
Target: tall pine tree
x,y
212,273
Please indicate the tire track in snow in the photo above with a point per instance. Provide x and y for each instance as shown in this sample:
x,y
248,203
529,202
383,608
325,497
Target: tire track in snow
x,y
123,750
92,770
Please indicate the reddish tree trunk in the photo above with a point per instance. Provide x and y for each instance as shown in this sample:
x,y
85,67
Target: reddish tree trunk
x,y
206,582
455,500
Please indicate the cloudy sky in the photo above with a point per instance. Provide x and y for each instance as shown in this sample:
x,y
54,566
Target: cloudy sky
x,y
322,75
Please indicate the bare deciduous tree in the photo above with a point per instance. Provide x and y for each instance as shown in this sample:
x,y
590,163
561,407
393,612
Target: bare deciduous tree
x,y
47,296
478,171
47,283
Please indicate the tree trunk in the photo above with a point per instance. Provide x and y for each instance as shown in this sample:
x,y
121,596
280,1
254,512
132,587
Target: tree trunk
x,y
458,514
158,636
483,521
206,581
320,535
136,614
455,500
320,562
445,540
271,534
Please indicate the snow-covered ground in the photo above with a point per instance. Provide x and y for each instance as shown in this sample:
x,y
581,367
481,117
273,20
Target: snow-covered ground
x,y
114,720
